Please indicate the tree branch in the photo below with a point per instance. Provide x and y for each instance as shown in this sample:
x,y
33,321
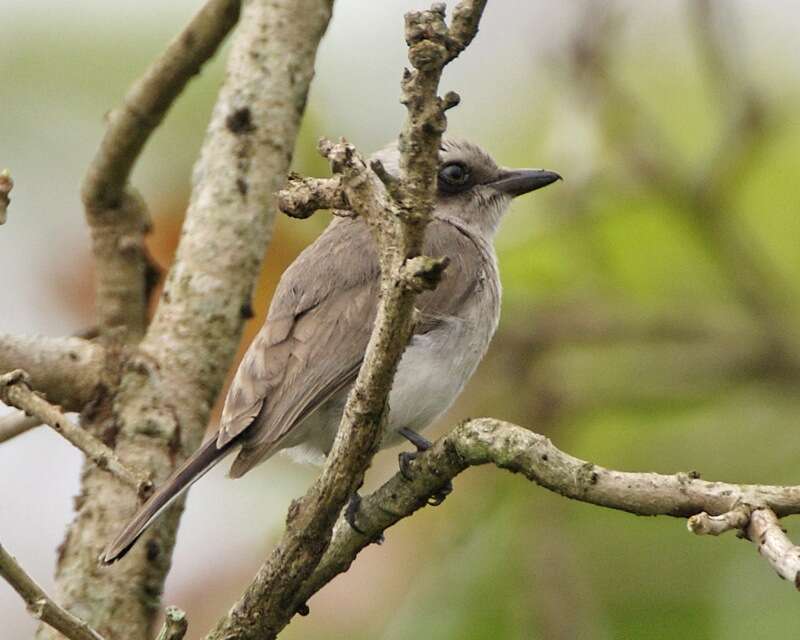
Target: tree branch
x,y
516,449
41,606
765,531
397,212
15,390
117,216
169,386
68,371
45,609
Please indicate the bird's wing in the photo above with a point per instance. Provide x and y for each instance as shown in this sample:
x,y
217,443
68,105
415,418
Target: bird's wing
x,y
317,331
313,340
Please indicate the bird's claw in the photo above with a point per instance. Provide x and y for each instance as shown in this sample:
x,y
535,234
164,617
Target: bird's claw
x,y
437,497
351,513
405,460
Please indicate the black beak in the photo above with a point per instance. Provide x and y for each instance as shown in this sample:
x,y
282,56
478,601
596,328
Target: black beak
x,y
515,182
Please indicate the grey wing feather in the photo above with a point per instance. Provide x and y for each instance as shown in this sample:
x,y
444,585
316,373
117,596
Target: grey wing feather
x,y
312,342
315,336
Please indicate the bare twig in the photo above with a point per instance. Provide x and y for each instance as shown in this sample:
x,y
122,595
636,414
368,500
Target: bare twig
x,y
774,545
303,196
67,370
175,625
489,441
397,214
6,184
15,390
15,424
117,216
40,604
704,524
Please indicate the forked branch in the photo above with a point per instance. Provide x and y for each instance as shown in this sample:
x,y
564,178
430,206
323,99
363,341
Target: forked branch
x,y
116,214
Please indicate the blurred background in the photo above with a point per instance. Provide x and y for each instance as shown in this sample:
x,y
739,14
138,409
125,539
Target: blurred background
x,y
650,317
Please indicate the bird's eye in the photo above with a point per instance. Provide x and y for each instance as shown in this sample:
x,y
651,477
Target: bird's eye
x,y
453,177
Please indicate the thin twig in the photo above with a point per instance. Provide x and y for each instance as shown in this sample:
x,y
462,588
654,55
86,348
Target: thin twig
x,y
703,524
15,390
303,196
41,606
15,424
117,216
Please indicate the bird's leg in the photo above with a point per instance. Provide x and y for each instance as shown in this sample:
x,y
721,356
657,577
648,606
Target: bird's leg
x,y
407,457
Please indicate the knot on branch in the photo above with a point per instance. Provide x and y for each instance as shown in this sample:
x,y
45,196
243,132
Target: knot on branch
x,y
303,196
423,273
427,37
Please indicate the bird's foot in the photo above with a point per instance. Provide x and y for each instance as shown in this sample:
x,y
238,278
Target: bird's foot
x,y
351,514
406,458
437,497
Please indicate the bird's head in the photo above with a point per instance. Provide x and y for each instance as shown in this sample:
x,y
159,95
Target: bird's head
x,y
470,184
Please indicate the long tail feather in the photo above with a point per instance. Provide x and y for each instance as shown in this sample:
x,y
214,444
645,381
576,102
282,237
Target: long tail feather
x,y
190,471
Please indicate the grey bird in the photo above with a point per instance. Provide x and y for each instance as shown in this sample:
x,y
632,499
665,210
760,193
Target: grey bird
x,y
291,386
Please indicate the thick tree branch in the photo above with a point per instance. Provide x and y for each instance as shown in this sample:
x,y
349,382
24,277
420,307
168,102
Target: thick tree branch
x,y
15,390
40,604
68,371
117,216
507,446
168,388
397,212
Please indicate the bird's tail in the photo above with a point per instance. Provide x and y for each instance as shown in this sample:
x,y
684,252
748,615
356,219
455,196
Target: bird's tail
x,y
193,469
